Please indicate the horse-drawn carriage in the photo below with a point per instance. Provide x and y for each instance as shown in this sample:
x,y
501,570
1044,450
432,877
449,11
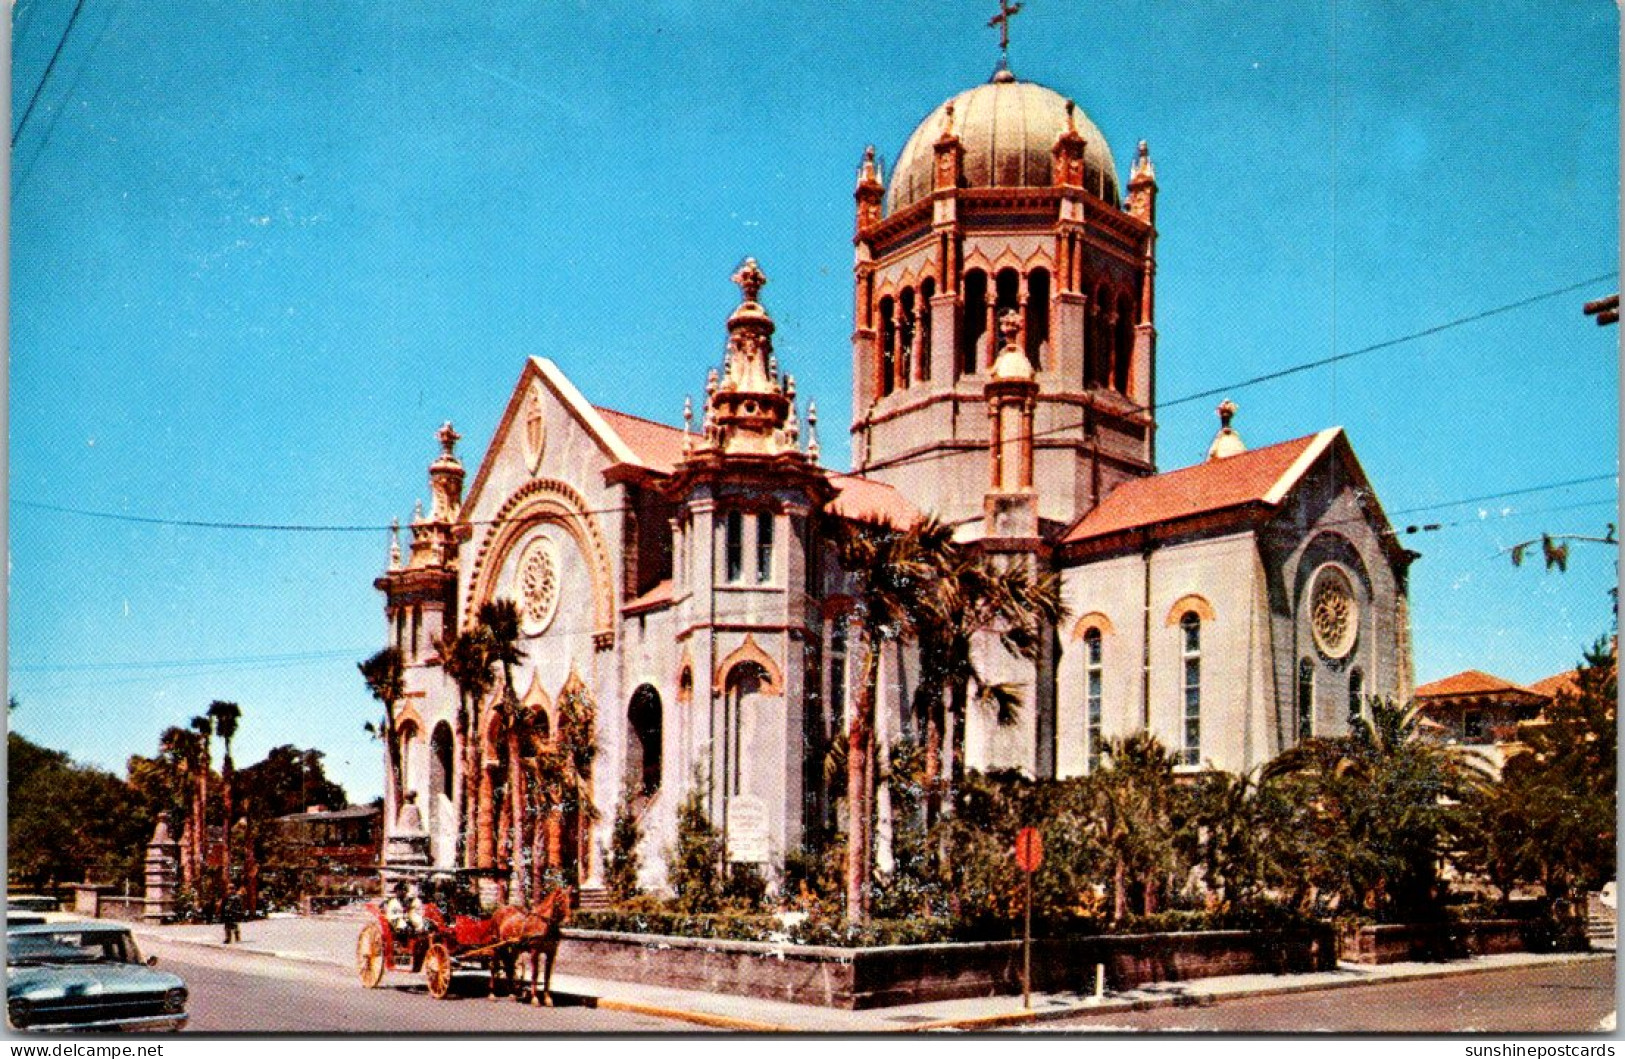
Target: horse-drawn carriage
x,y
434,924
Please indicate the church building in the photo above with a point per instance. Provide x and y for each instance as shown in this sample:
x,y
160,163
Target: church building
x,y
1004,380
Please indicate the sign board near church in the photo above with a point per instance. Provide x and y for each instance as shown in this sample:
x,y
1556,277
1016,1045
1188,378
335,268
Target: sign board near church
x,y
747,830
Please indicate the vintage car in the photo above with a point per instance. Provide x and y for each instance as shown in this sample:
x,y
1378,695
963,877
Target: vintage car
x,y
86,975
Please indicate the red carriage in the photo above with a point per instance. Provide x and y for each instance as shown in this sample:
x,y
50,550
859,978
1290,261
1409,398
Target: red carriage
x,y
444,930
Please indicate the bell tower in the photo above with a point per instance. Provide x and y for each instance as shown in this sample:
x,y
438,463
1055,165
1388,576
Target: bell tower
x,y
1004,202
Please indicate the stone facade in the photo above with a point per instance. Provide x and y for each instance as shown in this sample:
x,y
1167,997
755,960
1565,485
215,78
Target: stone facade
x,y
1004,364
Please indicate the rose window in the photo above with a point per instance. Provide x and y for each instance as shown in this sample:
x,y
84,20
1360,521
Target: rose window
x,y
538,577
1333,614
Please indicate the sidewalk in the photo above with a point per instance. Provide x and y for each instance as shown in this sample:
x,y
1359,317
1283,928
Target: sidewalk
x,y
330,939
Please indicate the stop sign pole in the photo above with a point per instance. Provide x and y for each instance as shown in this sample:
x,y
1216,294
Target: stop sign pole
x,y
1029,855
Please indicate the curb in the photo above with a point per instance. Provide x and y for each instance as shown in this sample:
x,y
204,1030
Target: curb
x,y
699,1018
1191,1000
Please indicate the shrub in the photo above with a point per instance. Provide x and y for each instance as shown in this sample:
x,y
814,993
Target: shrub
x,y
621,868
693,863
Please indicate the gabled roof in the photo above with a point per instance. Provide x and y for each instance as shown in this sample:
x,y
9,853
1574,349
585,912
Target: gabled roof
x,y
1472,683
657,446
1259,476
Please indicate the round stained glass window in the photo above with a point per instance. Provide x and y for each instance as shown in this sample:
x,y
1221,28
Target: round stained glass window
x,y
538,583
1333,614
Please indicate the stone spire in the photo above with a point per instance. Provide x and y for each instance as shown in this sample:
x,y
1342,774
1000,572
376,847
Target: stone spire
x,y
870,190
747,410
446,477
1142,187
1226,442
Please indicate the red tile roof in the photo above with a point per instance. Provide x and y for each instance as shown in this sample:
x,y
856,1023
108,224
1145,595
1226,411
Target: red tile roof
x,y
1470,682
657,597
1550,686
866,500
658,446
1247,477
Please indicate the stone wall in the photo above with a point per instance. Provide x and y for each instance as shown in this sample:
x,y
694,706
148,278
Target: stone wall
x,y
1401,942
906,974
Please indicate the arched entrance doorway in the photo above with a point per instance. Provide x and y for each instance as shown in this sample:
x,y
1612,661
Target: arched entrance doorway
x,y
441,812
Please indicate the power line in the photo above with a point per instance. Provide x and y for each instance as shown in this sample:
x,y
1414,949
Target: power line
x,y
1461,321
49,66
925,458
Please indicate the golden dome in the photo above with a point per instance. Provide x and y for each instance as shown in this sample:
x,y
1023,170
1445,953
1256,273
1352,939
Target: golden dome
x,y
1006,128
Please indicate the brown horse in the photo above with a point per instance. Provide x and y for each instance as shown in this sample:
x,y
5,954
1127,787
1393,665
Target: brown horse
x,y
536,931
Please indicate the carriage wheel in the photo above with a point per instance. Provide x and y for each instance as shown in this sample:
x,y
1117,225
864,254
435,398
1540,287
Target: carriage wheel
x,y
369,956
437,970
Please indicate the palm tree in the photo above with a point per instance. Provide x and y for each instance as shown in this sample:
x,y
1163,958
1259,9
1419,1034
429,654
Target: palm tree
x,y
203,727
1133,809
891,570
178,750
500,617
1374,808
225,716
466,658
973,593
385,675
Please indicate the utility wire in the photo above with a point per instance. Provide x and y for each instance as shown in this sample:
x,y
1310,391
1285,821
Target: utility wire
x,y
928,457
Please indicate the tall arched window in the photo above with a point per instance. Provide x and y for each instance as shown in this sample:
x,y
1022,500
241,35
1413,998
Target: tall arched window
x,y
734,545
928,290
1092,668
1190,627
974,324
764,547
417,629
1306,699
1007,289
1124,344
1356,693
837,674
888,346
644,725
1037,316
905,337
1097,354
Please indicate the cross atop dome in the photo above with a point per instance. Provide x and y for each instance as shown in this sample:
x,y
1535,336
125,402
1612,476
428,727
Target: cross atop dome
x,y
1007,11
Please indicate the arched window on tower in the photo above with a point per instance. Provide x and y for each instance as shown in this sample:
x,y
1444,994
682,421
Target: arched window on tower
x,y
928,290
1097,352
1124,343
1190,627
905,337
734,545
1356,693
1007,287
974,325
1037,317
888,346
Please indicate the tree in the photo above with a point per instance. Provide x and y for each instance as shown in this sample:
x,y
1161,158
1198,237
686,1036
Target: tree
x,y
181,758
575,749
889,568
500,617
67,821
1234,828
972,593
466,658
1375,809
203,729
385,675
1133,798
1557,799
692,865
225,716
621,863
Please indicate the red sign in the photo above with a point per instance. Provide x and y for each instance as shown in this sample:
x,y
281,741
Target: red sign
x,y
1029,850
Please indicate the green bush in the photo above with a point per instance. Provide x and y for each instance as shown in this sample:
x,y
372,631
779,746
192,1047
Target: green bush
x,y
693,873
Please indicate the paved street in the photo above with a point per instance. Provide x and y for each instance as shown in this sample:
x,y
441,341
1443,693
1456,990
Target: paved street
x,y
248,993
1573,998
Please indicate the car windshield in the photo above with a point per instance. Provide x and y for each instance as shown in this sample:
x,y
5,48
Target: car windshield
x,y
79,946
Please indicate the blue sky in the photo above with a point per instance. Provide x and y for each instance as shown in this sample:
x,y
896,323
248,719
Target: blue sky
x,y
260,251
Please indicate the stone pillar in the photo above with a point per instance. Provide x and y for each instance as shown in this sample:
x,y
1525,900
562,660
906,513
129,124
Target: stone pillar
x,y
944,338
163,874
